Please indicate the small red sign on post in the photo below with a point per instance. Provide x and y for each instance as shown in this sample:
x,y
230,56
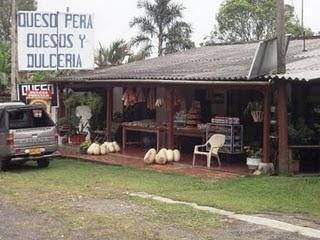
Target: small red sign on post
x,y
39,94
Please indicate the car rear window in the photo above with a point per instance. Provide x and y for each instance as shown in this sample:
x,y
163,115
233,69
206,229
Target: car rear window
x,y
2,121
19,119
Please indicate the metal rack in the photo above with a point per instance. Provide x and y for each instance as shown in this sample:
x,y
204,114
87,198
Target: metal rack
x,y
233,133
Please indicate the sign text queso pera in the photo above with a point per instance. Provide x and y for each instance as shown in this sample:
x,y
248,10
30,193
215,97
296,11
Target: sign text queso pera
x,y
51,41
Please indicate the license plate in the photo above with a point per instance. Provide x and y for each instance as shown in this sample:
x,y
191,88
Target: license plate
x,y
35,151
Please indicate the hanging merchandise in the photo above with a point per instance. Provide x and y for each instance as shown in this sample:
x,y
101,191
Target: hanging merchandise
x,y
159,102
125,99
132,97
129,97
140,95
151,100
177,99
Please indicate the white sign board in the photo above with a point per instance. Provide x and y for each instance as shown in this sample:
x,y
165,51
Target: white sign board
x,y
53,41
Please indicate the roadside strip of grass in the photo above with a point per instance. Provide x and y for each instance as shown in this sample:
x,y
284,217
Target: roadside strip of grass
x,y
241,194
72,199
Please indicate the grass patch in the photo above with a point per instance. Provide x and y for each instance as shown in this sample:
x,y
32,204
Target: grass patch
x,y
54,195
69,179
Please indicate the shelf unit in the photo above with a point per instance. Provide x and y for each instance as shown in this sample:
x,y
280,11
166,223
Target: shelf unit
x,y
233,133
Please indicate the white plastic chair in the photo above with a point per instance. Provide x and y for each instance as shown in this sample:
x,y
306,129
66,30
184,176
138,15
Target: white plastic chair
x,y
215,143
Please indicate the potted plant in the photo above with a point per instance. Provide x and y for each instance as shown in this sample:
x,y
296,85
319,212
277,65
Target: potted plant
x,y
93,100
254,157
77,134
300,133
255,109
84,147
63,126
72,129
316,127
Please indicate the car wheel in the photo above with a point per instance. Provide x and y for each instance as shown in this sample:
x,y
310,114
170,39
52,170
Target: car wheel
x,y
43,163
4,164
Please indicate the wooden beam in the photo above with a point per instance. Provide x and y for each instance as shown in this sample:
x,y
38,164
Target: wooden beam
x,y
236,84
109,113
282,101
266,126
170,119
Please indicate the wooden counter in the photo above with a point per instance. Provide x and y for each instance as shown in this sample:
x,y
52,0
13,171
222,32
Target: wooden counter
x,y
158,129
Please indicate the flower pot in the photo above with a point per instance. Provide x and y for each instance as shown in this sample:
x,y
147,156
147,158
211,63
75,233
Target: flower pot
x,y
83,150
77,139
257,116
253,163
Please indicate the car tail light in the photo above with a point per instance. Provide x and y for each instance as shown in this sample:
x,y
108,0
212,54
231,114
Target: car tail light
x,y
10,139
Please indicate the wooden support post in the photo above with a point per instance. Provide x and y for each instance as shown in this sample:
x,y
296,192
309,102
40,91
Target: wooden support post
x,y
62,109
266,126
170,119
282,101
109,113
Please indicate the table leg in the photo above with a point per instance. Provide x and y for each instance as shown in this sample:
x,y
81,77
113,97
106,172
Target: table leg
x,y
158,140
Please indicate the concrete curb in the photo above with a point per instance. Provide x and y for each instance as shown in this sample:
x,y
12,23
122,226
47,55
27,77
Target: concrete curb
x,y
305,231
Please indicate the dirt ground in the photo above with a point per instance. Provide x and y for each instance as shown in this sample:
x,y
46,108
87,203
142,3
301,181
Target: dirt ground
x,y
16,223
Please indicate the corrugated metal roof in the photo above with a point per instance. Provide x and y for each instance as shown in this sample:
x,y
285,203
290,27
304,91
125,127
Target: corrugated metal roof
x,y
218,63
205,63
303,65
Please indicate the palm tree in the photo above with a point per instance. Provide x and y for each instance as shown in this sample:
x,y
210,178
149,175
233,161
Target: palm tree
x,y
115,54
162,23
143,53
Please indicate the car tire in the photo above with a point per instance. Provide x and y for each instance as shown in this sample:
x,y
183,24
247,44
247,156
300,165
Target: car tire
x,y
43,163
4,164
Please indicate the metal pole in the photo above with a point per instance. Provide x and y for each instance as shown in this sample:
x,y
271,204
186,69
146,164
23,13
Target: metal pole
x,y
109,113
170,119
13,52
302,26
302,11
281,38
266,126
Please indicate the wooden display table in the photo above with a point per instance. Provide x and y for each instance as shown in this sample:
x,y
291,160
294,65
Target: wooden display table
x,y
140,127
299,147
158,129
190,132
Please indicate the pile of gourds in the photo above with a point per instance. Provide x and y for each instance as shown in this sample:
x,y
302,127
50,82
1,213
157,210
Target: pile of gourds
x,y
164,156
103,149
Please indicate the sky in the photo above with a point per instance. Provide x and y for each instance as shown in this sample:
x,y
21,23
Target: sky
x,y
112,17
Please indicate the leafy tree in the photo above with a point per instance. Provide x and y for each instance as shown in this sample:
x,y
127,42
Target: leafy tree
x,y
143,53
5,15
4,64
39,76
246,20
293,24
115,54
162,23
